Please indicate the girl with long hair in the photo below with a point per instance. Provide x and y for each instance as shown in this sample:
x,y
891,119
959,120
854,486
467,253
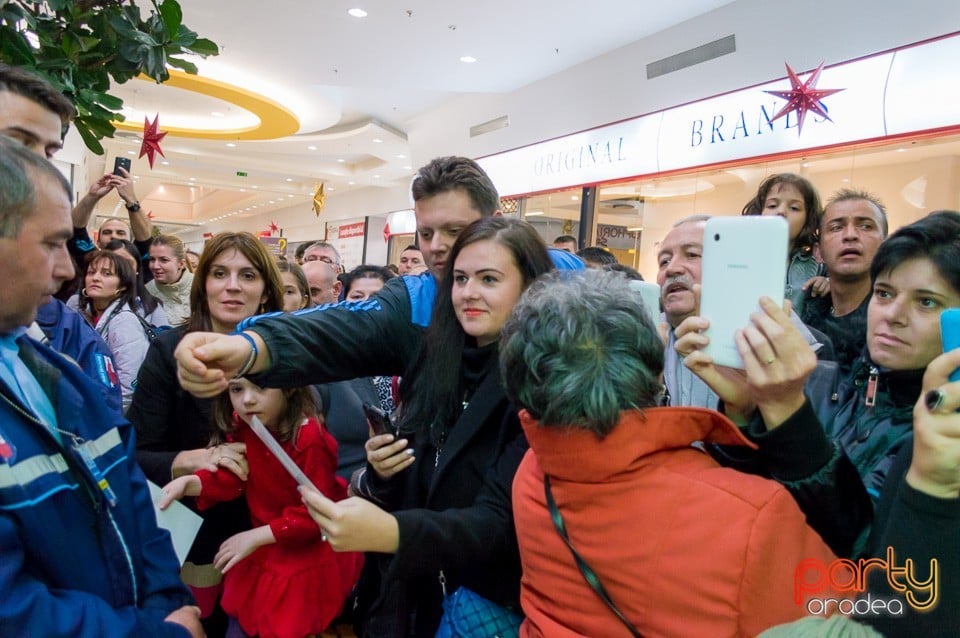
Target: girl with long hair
x,y
437,497
280,579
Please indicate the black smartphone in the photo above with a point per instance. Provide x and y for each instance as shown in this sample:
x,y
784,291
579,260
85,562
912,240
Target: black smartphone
x,y
119,162
379,420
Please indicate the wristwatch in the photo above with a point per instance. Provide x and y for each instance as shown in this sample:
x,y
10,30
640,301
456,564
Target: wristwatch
x,y
134,207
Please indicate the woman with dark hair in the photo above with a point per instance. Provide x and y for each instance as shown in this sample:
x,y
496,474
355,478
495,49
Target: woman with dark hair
x,y
811,424
437,497
236,278
365,280
795,199
108,300
150,307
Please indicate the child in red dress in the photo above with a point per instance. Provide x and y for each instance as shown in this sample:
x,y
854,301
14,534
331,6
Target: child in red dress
x,y
281,580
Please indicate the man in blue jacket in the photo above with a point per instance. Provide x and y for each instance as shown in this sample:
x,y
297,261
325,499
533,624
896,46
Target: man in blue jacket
x,y
379,336
81,551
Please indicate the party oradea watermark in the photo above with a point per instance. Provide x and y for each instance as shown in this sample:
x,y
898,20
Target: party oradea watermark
x,y
840,586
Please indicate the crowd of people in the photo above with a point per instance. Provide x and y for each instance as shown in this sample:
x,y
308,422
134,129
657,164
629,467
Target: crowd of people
x,y
549,449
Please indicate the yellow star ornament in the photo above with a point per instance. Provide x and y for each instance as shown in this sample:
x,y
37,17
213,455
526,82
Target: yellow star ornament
x,y
319,198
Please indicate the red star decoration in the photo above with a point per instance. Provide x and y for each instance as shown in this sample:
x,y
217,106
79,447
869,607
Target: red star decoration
x,y
151,139
149,214
273,227
803,97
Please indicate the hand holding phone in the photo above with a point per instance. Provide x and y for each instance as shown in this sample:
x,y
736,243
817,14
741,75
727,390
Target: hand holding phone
x,y
121,162
378,419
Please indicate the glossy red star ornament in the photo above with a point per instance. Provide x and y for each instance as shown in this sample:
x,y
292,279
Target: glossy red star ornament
x,y
273,227
803,97
151,139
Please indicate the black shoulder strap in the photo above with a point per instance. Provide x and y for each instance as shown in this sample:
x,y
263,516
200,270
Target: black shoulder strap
x,y
588,574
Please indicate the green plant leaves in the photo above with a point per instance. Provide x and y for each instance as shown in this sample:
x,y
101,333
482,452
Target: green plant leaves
x,y
80,45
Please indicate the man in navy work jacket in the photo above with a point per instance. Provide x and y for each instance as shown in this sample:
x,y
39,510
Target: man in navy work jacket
x,y
81,551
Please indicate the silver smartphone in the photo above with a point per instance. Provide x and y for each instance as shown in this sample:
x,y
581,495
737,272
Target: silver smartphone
x,y
744,258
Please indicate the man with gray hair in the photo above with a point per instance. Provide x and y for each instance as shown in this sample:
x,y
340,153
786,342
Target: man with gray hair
x,y
82,553
679,269
323,251
582,359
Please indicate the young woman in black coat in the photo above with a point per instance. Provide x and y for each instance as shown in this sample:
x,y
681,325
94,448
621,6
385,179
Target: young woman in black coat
x,y
436,499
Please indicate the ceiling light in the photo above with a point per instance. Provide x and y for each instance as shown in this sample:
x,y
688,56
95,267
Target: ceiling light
x,y
401,157
376,177
231,145
533,213
311,148
193,179
350,183
165,163
357,12
331,189
289,179
468,59
574,198
408,168
270,202
254,187
216,114
635,229
290,196
340,160
900,150
243,190
131,152
377,140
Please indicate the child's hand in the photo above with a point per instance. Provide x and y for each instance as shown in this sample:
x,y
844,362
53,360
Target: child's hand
x,y
176,489
239,546
388,456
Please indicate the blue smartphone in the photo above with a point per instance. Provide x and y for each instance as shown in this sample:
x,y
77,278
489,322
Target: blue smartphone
x,y
950,334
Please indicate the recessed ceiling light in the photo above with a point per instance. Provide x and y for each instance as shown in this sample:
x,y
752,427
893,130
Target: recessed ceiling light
x,y
357,12
165,163
254,187
216,114
243,190
350,183
331,189
408,168
193,179
377,140
401,157
533,213
468,59
231,145
131,152
290,196
289,179
900,150
311,148
574,197
376,177
340,160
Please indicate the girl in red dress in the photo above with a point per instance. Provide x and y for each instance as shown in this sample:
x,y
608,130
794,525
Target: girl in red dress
x,y
281,580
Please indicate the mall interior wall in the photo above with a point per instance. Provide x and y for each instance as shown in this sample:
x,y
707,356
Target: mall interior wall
x,y
614,87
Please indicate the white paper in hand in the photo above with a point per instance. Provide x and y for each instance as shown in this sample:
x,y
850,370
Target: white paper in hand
x,y
264,434
177,519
